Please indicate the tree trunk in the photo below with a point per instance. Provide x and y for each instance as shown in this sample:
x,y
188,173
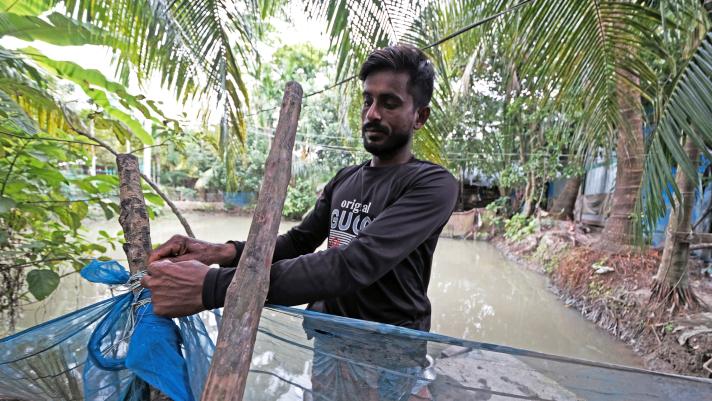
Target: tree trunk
x,y
670,284
562,206
536,187
630,151
671,288
530,195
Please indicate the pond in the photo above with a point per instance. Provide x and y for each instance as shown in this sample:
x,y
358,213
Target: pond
x,y
476,293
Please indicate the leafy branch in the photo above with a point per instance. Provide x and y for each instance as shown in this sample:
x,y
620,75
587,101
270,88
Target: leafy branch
x,y
155,187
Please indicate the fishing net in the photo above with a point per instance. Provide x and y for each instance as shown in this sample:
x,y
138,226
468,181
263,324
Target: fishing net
x,y
114,349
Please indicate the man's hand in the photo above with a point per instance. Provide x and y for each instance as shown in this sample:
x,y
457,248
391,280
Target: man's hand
x,y
180,248
176,288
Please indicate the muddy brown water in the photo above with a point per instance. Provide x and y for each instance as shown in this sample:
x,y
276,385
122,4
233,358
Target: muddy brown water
x,y
475,291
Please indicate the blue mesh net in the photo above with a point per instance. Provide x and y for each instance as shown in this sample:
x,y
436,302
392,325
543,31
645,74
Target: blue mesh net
x,y
112,349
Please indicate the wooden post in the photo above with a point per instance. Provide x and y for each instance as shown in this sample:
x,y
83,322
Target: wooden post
x,y
248,289
134,221
133,217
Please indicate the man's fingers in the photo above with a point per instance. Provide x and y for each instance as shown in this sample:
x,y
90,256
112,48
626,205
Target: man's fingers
x,y
155,268
164,251
183,258
146,281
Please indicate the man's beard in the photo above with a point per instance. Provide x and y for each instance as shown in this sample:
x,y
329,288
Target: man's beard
x,y
391,144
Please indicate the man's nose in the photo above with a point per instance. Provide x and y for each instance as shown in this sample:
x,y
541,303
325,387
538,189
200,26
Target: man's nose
x,y
373,114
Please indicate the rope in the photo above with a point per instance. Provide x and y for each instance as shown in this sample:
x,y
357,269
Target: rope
x,y
134,286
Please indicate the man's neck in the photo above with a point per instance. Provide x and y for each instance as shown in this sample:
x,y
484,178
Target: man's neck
x,y
401,157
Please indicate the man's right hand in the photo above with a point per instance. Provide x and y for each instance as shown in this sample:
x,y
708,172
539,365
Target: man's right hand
x,y
180,248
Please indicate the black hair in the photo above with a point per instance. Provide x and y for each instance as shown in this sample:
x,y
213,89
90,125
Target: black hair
x,y
404,58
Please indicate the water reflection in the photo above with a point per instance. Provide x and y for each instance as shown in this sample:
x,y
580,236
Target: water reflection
x,y
308,356
478,294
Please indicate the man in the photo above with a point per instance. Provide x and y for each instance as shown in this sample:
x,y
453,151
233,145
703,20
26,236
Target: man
x,y
382,219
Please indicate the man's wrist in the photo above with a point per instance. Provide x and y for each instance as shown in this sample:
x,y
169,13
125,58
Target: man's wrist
x,y
225,254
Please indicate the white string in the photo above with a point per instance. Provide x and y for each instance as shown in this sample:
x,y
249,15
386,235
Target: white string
x,y
133,285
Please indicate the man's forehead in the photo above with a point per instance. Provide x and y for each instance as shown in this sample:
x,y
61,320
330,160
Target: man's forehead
x,y
386,81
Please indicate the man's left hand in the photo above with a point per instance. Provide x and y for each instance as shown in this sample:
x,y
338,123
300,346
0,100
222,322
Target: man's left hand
x,y
176,288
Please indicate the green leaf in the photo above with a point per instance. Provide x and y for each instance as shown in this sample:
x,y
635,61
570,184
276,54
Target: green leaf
x,y
37,245
25,7
78,265
42,282
153,198
67,218
108,213
56,29
100,98
58,237
78,211
4,236
6,204
49,175
97,247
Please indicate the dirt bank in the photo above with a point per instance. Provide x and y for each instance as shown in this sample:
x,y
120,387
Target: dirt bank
x,y
612,290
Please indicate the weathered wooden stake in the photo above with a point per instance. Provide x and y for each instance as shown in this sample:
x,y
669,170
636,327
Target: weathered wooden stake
x,y
134,221
133,217
248,289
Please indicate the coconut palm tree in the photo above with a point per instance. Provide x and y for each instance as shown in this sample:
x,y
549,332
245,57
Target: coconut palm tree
x,y
687,112
200,49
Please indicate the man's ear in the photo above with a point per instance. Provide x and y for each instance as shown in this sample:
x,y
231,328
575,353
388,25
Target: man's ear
x,y
422,117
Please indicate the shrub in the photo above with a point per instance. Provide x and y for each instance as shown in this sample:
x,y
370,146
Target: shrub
x,y
300,199
518,227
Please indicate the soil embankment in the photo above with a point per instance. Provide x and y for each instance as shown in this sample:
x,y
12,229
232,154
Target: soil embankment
x,y
613,291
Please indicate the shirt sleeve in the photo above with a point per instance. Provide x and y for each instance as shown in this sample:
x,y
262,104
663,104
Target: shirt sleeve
x,y
396,232
299,240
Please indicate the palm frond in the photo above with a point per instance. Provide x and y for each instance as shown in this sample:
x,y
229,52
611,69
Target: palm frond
x,y
26,7
687,113
26,87
200,49
579,53
97,86
358,27
455,61
55,28
13,118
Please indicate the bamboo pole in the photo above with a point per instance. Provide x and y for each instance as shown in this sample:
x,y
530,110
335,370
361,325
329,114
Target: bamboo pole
x,y
248,290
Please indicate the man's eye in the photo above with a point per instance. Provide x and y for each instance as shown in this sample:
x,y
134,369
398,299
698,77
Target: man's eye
x,y
367,102
390,105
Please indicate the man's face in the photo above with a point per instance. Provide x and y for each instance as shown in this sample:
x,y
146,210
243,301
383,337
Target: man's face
x,y
388,116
